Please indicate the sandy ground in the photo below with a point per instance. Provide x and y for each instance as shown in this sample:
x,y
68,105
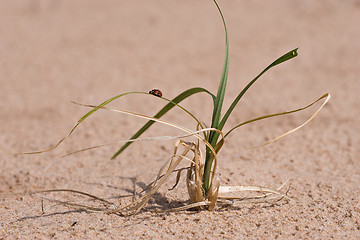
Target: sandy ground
x,y
52,52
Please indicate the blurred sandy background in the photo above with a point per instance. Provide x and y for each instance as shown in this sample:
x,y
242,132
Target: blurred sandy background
x,y
52,52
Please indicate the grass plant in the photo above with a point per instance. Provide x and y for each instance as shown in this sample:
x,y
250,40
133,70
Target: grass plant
x,y
203,188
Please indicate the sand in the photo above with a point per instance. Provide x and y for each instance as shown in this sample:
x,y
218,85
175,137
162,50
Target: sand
x,y
54,52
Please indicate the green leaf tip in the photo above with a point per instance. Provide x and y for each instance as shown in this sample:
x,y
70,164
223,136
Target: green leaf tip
x,y
285,57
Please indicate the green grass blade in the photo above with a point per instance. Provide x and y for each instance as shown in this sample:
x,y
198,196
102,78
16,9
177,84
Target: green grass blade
x,y
223,81
214,135
283,58
163,111
273,115
217,107
327,98
102,105
80,121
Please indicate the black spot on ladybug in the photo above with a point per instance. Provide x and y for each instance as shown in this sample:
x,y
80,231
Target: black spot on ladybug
x,y
156,92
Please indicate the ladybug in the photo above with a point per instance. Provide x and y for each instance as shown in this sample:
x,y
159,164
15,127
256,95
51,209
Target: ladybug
x,y
156,92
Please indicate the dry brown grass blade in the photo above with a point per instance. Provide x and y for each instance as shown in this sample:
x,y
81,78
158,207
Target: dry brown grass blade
x,y
327,98
265,191
214,197
157,138
267,194
187,207
194,186
137,205
77,192
71,204
76,205
64,190
178,176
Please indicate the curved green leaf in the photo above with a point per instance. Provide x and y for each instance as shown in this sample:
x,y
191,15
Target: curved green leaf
x,y
79,121
222,85
283,58
172,103
217,106
274,115
327,98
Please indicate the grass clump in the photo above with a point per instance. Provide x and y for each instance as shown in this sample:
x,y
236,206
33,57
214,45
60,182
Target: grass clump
x,y
203,188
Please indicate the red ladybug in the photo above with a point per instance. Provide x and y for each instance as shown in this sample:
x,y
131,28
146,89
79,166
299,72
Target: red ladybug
x,y
156,92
